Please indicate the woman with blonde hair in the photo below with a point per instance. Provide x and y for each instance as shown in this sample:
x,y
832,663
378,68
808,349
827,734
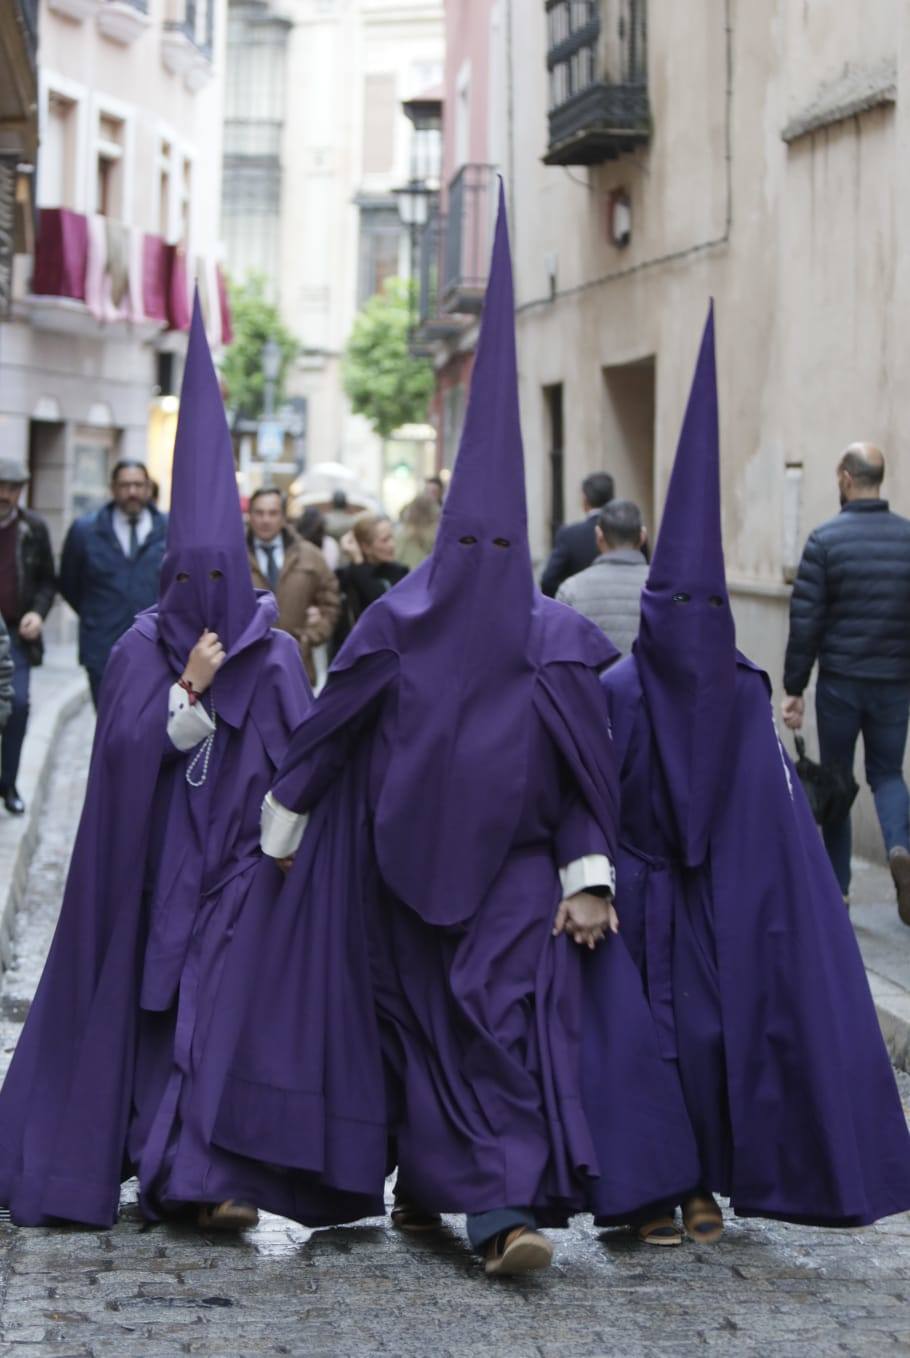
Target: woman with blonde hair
x,y
372,568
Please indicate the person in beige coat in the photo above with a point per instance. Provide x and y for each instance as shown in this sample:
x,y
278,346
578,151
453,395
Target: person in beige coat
x,y
296,572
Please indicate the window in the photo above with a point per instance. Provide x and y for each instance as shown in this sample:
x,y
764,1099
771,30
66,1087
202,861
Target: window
x,y
253,133
380,248
165,196
109,200
186,199
58,152
380,110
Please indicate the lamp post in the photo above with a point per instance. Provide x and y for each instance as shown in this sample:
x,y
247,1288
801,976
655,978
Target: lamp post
x,y
271,368
414,210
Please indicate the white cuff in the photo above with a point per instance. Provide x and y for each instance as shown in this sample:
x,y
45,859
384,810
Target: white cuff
x,y
282,830
187,723
595,869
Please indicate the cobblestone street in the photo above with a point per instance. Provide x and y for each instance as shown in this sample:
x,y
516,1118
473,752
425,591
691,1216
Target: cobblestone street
x,y
163,1291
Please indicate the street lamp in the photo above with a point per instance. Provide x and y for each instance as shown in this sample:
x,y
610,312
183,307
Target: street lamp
x,y
413,205
271,369
414,210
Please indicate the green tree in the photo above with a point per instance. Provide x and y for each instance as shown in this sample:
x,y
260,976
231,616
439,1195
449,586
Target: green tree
x,y
254,319
382,378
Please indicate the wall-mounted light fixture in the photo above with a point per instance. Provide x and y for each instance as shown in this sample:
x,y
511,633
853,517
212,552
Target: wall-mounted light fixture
x,y
619,218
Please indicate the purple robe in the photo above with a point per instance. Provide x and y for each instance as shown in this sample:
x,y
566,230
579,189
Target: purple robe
x,y
480,1024
756,980
154,884
120,1065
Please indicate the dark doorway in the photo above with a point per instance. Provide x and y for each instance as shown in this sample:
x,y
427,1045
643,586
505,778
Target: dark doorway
x,y
629,399
555,442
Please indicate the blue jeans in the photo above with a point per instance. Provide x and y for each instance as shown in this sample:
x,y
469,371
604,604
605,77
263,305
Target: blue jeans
x,y
14,731
879,709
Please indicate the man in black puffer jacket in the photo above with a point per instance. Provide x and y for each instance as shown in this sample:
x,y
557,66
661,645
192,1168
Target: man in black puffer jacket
x,y
850,610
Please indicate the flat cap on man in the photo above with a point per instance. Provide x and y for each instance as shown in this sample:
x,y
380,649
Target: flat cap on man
x,y
13,471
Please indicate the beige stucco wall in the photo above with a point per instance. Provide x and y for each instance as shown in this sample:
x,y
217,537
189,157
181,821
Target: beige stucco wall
x,y
798,244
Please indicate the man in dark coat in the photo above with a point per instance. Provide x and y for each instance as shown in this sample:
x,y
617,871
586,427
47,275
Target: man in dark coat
x,y
27,592
110,566
459,783
121,1063
849,611
729,904
575,545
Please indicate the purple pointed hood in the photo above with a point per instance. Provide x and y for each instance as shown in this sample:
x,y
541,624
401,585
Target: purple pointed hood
x,y
205,576
686,649
462,626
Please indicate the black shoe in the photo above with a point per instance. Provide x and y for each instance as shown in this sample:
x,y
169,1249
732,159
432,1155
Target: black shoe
x,y
13,802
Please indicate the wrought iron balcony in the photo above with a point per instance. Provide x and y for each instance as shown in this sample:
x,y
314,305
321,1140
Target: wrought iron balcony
x,y
432,323
597,60
468,238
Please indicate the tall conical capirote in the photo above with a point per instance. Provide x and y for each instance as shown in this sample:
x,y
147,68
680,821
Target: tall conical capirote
x,y
461,626
686,649
488,479
205,576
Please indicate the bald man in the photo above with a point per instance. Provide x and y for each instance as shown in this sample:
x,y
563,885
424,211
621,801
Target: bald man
x,y
850,611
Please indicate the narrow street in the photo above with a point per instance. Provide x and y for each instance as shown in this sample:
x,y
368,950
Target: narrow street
x,y
162,1291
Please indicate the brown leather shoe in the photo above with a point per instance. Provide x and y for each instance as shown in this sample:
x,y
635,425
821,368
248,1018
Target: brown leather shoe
x,y
519,1251
899,863
227,1216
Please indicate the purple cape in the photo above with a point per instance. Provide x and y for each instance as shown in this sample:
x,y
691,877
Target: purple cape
x,y
66,1102
591,1117
756,980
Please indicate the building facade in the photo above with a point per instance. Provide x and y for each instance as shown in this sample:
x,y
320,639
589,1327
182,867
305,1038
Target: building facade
x,y
128,192
658,155
18,134
315,142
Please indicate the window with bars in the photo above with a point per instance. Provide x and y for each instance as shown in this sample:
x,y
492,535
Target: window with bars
x,y
254,110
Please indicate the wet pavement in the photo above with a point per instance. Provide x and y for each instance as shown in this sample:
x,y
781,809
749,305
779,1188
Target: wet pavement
x,y
163,1291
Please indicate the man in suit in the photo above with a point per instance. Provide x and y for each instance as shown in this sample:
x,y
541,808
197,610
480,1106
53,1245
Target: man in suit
x,y
575,545
110,566
307,593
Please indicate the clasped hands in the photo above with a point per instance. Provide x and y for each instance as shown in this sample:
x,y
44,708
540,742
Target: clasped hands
x,y
586,919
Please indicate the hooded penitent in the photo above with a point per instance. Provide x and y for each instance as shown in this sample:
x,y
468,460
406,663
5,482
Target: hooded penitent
x,y
462,625
105,1080
728,902
205,577
686,646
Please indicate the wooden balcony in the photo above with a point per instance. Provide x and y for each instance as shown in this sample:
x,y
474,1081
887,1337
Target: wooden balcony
x,y
597,61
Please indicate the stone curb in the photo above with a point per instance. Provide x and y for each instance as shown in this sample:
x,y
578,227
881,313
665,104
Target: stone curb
x,y
48,717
